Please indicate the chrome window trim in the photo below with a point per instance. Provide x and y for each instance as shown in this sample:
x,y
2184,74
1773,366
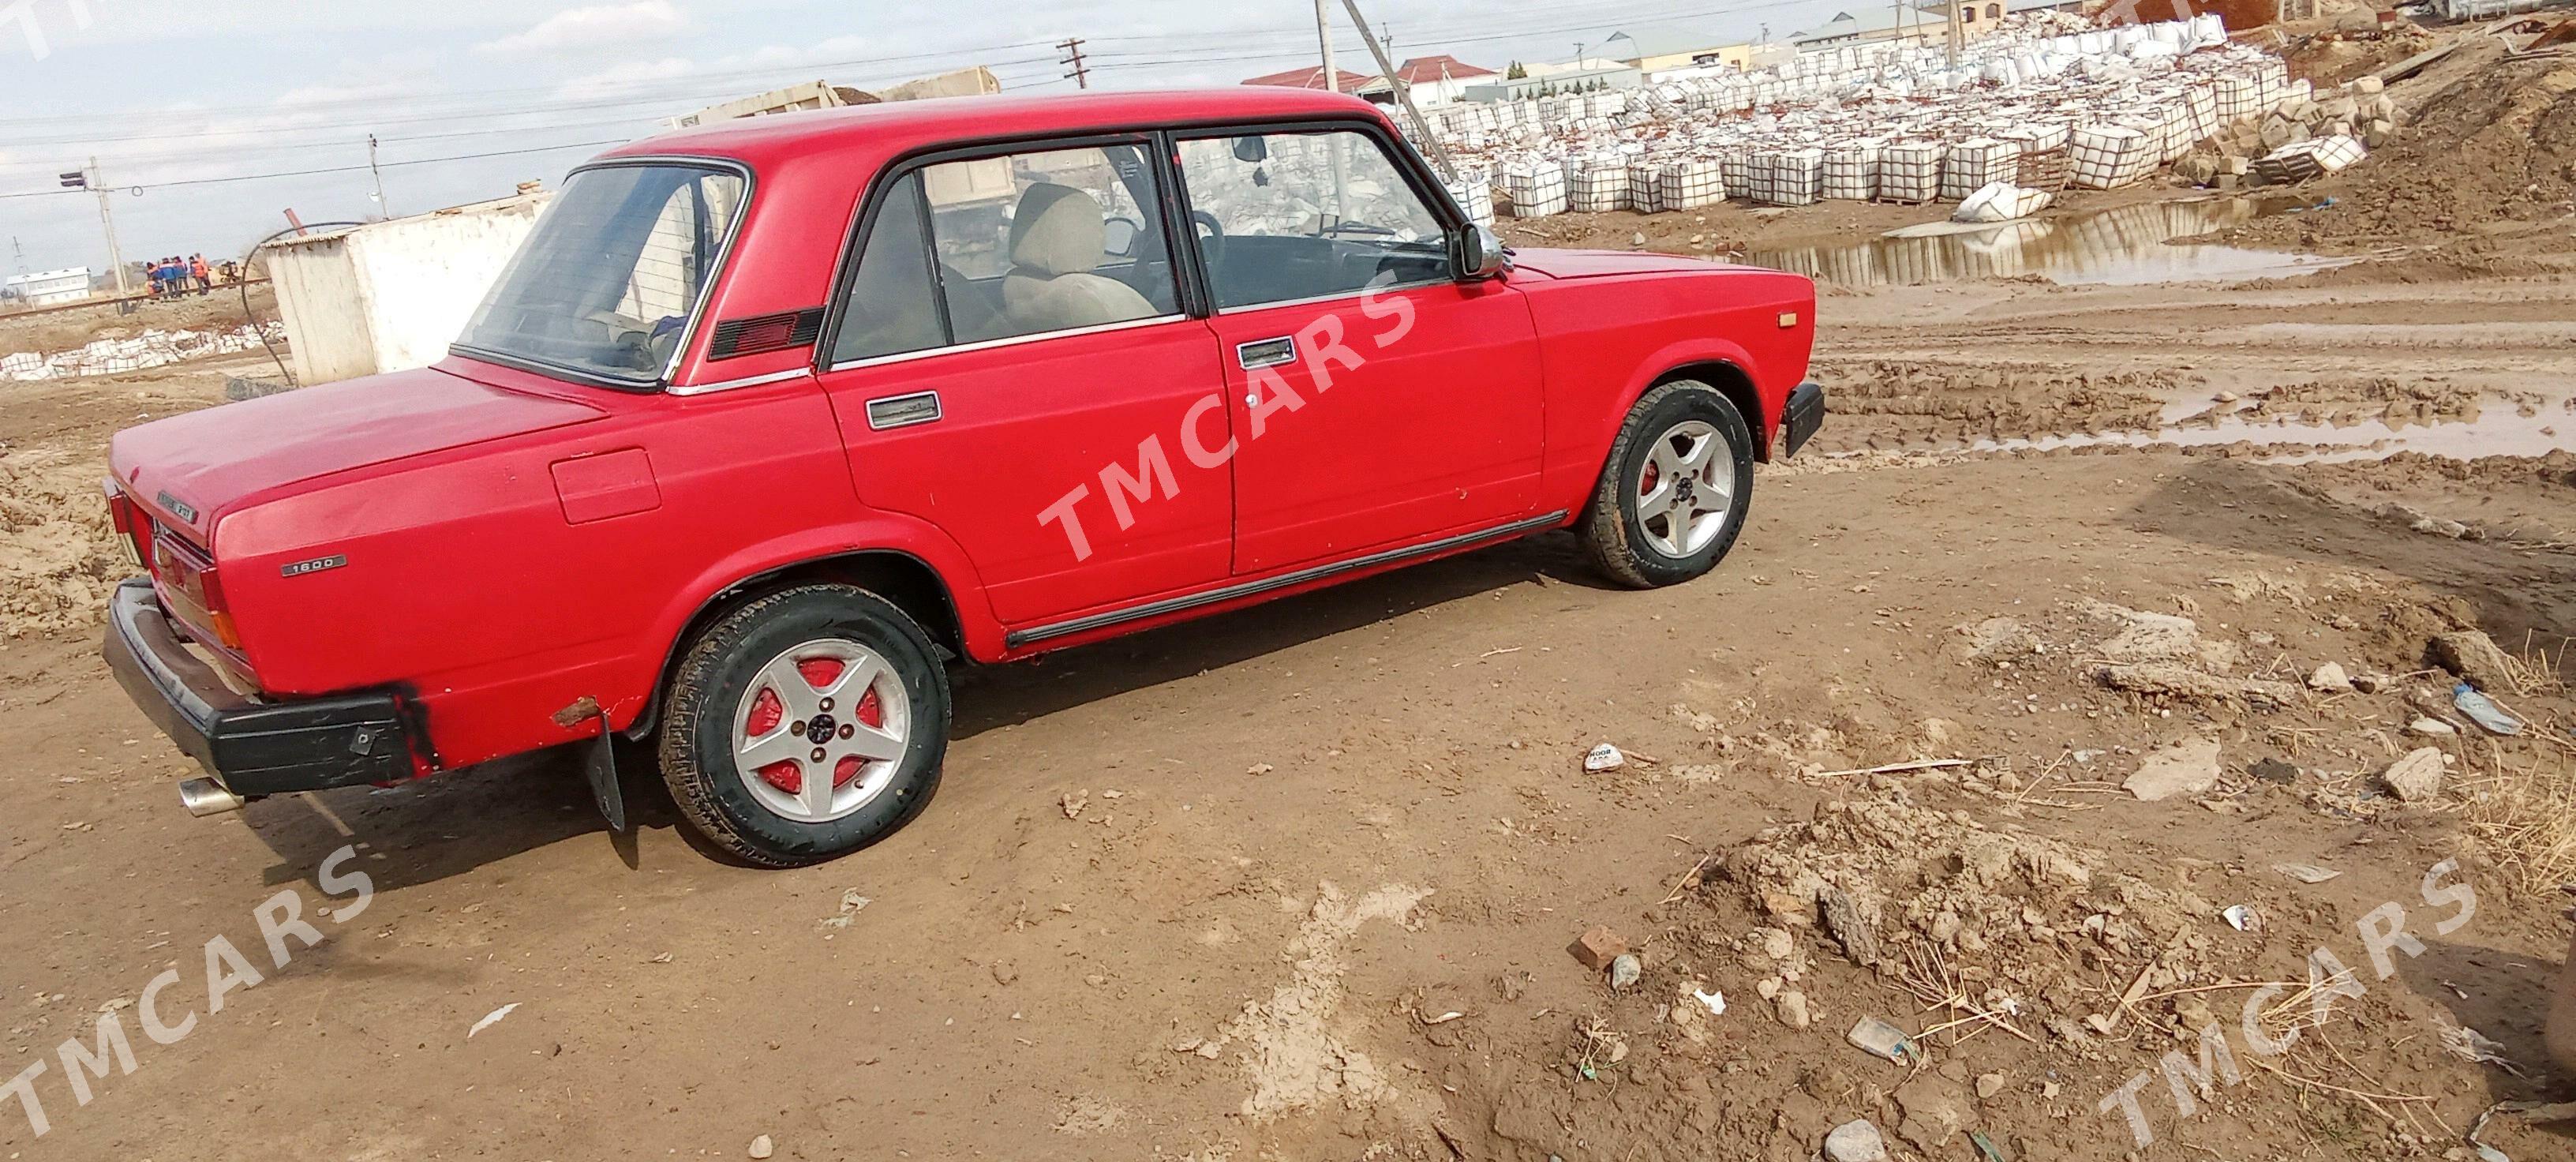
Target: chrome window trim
x,y
1362,293
732,384
1013,341
1170,605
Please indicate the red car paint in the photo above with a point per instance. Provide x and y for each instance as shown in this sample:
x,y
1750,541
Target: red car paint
x,y
508,544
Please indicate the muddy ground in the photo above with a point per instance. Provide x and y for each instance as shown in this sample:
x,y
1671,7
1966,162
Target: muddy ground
x,y
1300,884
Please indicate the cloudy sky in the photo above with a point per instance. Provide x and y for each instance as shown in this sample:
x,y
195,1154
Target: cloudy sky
x,y
230,112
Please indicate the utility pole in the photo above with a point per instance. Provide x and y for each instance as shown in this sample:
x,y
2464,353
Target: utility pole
x,y
89,179
382,206
1081,73
1324,33
1403,93
1951,7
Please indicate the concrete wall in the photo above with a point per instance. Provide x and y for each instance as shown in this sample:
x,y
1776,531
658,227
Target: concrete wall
x,y
425,276
323,304
392,295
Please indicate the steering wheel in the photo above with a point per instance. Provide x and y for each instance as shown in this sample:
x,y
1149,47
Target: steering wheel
x,y
1211,237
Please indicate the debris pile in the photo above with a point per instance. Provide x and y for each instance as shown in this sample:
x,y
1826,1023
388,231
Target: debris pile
x,y
2047,101
2308,136
2497,145
2012,926
147,350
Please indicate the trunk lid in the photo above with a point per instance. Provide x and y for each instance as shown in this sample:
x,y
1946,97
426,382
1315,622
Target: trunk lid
x,y
189,469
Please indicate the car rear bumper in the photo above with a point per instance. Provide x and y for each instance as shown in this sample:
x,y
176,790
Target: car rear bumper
x,y
253,747
1799,421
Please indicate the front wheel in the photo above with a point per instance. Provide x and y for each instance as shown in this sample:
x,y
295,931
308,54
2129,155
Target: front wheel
x,y
806,725
1674,495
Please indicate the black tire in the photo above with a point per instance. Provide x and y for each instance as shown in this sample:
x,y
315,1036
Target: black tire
x,y
718,672
1614,537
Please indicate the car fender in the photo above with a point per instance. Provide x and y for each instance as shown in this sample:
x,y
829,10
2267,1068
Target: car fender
x,y
1674,356
875,533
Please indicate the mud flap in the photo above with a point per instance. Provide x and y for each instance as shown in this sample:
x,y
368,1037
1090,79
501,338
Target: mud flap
x,y
602,764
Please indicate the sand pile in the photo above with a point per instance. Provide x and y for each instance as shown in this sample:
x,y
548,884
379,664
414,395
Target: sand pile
x,y
58,558
2497,145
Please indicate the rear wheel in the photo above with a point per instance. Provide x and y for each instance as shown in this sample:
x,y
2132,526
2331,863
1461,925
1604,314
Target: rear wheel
x,y
806,725
1674,495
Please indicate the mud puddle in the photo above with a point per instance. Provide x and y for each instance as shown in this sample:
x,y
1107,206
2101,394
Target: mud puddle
x,y
2496,432
2122,246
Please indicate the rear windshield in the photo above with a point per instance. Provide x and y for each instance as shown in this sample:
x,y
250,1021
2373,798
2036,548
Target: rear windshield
x,y
607,282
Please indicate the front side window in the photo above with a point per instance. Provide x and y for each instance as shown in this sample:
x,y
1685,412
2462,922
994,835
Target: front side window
x,y
1284,217
1008,247
607,282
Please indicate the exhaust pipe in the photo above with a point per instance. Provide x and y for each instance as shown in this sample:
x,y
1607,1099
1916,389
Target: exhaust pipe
x,y
206,797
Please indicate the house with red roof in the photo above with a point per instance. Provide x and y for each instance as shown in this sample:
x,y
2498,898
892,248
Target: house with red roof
x,y
1436,80
1312,77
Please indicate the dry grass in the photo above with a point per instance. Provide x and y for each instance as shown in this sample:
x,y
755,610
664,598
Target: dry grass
x,y
2525,815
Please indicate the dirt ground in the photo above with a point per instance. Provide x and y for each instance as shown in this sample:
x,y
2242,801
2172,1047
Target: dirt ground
x,y
46,332
1301,884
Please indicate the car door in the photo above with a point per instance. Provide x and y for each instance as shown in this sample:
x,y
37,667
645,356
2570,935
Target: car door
x,y
1378,398
998,373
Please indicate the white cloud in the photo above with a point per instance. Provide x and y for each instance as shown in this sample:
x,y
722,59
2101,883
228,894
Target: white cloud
x,y
623,78
596,26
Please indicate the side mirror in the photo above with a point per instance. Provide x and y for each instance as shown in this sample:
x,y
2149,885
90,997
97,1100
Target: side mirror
x,y
1482,255
1251,150
1118,237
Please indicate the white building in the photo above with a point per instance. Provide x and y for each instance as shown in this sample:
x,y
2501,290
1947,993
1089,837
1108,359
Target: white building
x,y
49,287
391,296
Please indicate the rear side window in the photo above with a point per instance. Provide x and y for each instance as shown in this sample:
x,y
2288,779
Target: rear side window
x,y
606,284
1009,247
892,305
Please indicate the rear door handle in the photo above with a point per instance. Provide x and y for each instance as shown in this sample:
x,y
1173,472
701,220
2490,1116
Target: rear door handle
x,y
1261,353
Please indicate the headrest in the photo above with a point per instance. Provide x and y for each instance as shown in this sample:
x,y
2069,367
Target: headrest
x,y
1058,230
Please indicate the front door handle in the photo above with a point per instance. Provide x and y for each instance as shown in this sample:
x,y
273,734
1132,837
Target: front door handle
x,y
1261,353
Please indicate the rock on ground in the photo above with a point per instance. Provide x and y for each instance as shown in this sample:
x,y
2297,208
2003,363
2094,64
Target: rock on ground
x,y
2416,778
2474,656
2169,680
1855,1141
2185,768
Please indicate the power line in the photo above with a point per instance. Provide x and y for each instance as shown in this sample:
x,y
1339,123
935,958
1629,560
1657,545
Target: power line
x,y
697,88
337,169
1081,60
639,87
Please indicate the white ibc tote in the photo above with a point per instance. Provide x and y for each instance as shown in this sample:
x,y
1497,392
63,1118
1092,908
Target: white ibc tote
x,y
1851,171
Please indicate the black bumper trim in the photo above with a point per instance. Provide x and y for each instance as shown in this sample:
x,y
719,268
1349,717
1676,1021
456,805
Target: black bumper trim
x,y
1805,414
253,747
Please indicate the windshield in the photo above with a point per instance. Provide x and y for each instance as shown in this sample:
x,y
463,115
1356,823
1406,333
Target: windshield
x,y
606,283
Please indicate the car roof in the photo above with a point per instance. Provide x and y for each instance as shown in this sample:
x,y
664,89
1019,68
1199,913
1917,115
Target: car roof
x,y
901,126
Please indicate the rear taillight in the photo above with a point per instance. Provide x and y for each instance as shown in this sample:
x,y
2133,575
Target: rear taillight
x,y
219,617
192,590
133,530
